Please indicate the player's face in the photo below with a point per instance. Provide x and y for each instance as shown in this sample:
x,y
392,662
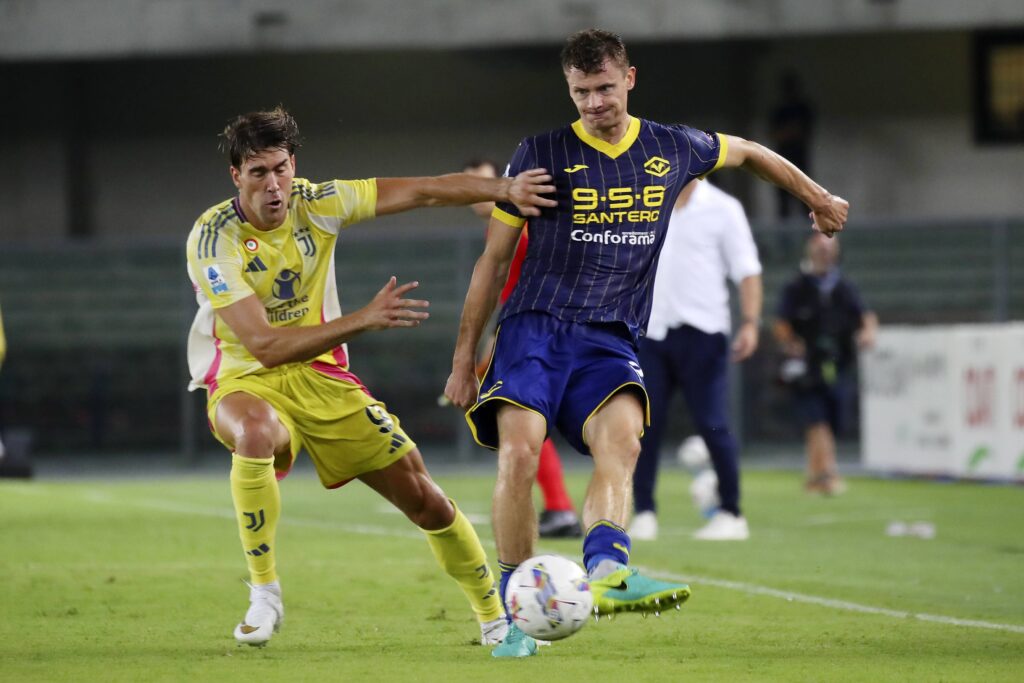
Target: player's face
x,y
264,185
600,97
482,209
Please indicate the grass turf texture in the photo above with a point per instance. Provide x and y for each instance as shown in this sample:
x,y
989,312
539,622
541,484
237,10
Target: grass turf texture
x,y
141,581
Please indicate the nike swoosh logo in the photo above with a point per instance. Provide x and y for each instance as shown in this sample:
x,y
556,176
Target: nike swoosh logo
x,y
246,629
577,167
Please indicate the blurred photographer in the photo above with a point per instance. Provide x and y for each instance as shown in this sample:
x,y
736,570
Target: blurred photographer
x,y
822,322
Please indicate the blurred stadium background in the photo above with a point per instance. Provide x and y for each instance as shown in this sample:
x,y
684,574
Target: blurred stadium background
x,y
112,108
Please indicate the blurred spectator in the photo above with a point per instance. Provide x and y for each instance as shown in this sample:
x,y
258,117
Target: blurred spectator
x,y
792,126
687,346
558,519
822,322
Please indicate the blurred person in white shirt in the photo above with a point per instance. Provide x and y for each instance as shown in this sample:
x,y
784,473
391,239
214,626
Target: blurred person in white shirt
x,y
688,346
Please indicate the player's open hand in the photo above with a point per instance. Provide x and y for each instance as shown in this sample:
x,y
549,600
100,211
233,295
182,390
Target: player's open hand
x,y
461,388
830,217
526,190
389,308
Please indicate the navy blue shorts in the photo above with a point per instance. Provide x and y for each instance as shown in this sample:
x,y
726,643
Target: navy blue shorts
x,y
563,371
827,404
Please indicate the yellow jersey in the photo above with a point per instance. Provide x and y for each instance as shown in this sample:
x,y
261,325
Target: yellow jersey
x,y
290,269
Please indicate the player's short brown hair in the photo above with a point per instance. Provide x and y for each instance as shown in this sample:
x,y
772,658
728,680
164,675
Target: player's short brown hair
x,y
587,50
257,131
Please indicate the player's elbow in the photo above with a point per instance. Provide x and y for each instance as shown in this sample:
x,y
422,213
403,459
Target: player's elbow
x,y
269,361
266,352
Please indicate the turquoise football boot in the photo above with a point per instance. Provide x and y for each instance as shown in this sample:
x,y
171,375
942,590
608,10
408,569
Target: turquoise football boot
x,y
516,644
626,590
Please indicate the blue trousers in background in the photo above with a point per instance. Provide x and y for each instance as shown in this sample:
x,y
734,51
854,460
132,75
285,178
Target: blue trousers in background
x,y
697,363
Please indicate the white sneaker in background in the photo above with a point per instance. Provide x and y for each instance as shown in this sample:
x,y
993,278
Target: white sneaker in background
x,y
724,526
644,527
493,632
264,617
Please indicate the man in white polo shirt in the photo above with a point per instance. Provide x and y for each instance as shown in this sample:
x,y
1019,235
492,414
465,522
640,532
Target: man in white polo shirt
x,y
687,345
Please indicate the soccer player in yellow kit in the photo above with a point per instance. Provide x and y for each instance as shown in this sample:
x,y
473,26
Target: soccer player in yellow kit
x,y
268,345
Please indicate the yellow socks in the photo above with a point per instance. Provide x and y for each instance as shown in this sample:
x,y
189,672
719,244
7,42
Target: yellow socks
x,y
257,508
459,552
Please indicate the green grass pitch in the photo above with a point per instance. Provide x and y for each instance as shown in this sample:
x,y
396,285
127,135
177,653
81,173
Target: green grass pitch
x,y
142,581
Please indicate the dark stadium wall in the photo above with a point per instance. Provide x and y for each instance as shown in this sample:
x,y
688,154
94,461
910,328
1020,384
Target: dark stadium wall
x,y
895,130
151,126
142,133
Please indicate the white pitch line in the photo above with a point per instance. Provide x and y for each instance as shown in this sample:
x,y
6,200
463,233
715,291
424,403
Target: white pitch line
x,y
749,588
788,596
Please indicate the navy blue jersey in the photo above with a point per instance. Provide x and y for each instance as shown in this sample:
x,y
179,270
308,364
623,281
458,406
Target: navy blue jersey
x,y
594,256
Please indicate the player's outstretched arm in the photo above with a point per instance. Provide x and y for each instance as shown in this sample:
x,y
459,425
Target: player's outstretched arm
x,y
827,210
273,346
489,276
395,195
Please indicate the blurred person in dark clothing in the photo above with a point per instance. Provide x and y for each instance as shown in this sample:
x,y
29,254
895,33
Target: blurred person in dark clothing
x,y
822,323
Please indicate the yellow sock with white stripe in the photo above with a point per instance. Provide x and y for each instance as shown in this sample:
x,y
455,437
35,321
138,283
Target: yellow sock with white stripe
x,y
458,550
257,501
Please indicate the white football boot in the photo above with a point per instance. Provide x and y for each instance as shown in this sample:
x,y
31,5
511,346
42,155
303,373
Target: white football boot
x,y
264,617
493,632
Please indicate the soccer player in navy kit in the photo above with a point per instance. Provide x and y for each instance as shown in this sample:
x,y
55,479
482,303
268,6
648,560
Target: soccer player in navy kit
x,y
565,354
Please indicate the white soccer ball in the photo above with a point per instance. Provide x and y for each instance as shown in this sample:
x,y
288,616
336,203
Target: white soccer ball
x,y
548,597
704,492
693,452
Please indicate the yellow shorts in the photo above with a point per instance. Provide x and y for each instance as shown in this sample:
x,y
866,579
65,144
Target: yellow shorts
x,y
327,411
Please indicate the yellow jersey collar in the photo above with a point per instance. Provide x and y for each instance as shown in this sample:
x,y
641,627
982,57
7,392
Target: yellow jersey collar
x,y
613,151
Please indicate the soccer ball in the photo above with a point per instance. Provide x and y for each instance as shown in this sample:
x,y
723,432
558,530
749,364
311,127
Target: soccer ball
x,y
693,453
704,492
548,597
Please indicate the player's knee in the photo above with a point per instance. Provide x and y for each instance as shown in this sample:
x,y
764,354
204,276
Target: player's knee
x,y
517,463
619,451
630,449
256,437
430,508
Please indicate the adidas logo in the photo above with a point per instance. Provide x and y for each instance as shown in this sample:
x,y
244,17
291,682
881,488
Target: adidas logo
x,y
256,266
396,441
262,550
